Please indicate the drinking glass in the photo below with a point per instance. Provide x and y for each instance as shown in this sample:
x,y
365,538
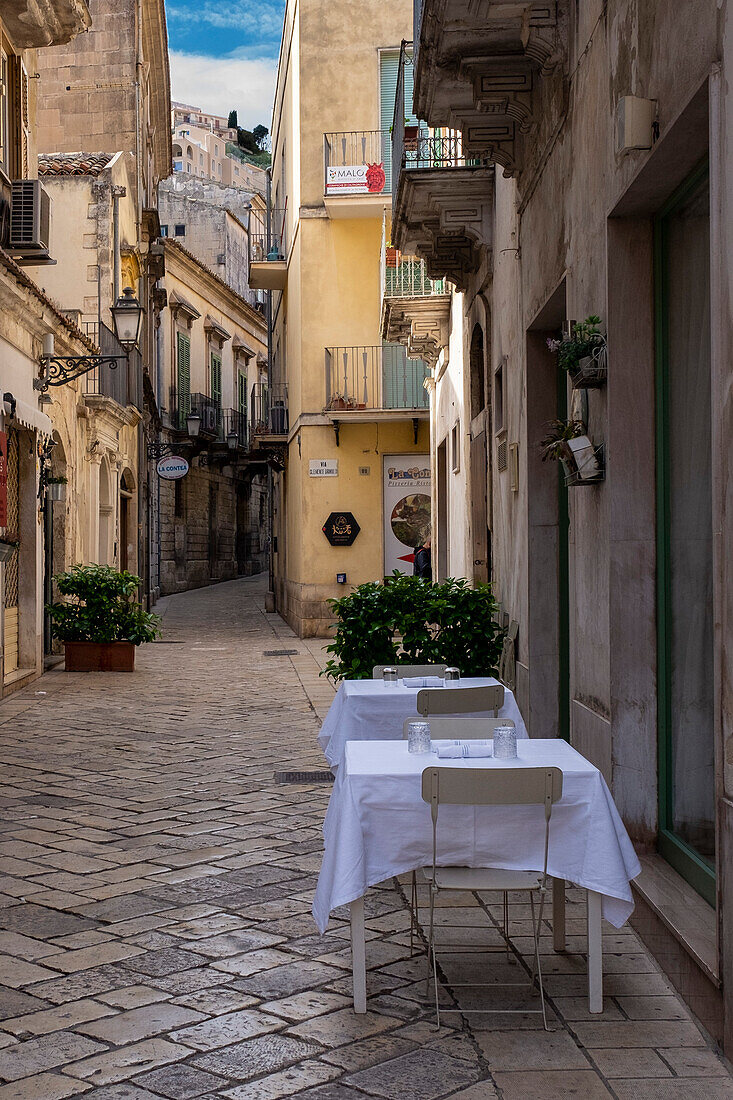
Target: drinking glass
x,y
505,743
418,737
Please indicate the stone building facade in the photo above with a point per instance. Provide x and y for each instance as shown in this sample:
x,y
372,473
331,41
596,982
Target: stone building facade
x,y
574,160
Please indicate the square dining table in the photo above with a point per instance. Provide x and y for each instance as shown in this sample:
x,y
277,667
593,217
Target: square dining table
x,y
377,826
372,710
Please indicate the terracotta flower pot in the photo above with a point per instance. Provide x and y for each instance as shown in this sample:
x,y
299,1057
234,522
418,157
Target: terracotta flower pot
x,y
99,656
391,257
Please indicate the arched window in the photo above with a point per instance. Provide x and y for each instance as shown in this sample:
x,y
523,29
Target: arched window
x,y
478,385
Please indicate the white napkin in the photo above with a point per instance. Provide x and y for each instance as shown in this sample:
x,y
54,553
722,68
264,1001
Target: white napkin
x,y
463,749
423,681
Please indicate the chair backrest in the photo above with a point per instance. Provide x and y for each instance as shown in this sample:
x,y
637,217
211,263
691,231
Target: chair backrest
x,y
409,670
460,700
491,787
460,729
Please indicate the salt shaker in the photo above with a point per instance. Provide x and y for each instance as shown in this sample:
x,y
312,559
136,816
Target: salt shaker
x,y
390,676
451,673
505,743
418,737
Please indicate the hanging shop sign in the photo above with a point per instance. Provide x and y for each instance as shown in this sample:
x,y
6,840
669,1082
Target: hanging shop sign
x,y
3,479
172,467
355,179
323,467
406,509
341,528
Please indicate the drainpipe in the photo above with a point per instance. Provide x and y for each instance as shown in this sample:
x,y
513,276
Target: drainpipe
x,y
270,597
117,193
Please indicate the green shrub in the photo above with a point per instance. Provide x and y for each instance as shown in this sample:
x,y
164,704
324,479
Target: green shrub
x,y
411,621
100,607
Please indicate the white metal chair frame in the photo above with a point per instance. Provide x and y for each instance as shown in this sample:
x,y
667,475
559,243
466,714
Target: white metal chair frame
x,y
409,670
468,700
492,787
460,729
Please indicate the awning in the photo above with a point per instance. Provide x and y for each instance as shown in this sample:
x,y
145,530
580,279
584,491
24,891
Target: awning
x,y
30,417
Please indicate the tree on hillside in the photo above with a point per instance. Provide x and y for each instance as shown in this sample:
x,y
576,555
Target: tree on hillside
x,y
260,135
232,121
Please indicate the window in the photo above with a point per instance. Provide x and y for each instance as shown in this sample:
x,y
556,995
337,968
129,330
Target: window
x,y
215,379
478,398
179,230
242,393
164,230
201,158
455,447
499,398
685,581
183,378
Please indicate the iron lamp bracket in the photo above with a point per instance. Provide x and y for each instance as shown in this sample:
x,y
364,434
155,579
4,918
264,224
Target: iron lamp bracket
x,y
57,370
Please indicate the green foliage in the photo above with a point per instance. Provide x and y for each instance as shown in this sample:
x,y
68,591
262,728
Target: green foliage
x,y
232,120
100,607
585,338
554,446
260,135
409,620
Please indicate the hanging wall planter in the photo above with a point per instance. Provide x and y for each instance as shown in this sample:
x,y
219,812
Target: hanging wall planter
x,y
582,462
592,370
583,354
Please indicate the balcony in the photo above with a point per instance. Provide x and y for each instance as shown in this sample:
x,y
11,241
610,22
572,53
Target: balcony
x,y
356,173
268,261
415,308
270,421
480,67
442,198
53,23
235,431
121,383
364,384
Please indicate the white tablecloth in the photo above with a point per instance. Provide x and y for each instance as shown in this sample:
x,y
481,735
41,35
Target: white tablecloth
x,y
369,710
378,826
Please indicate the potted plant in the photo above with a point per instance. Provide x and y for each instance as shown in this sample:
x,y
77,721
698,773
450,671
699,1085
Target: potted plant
x,y
99,621
411,133
390,256
56,488
8,546
336,401
568,444
583,354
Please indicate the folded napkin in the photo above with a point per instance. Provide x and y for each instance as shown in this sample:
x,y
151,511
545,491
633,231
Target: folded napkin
x,y
463,749
423,681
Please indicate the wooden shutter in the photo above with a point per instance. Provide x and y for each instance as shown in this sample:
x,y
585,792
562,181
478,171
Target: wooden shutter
x,y
216,379
20,111
389,64
242,393
183,382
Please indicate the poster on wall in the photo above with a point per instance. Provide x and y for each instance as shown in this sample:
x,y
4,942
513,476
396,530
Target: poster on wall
x,y
355,179
406,509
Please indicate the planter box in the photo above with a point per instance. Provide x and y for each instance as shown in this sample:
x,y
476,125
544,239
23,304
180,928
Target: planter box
x,y
582,463
411,133
99,656
592,371
390,257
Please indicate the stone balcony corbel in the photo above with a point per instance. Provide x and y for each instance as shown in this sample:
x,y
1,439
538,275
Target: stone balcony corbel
x,y
32,24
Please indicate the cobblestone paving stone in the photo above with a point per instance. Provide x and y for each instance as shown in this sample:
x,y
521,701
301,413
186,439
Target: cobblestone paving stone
x,y
155,891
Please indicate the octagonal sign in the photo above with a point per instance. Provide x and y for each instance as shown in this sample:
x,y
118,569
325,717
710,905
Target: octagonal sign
x,y
341,528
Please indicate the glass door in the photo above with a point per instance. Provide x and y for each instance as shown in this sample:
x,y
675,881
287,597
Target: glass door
x,y
685,535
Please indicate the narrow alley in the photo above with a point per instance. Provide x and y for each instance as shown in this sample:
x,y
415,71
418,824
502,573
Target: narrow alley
x,y
155,904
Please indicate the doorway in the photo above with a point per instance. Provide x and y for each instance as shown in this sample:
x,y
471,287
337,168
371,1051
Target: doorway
x,y
11,601
127,489
442,501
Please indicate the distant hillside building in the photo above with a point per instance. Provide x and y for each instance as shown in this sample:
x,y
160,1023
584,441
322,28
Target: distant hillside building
x,y
200,149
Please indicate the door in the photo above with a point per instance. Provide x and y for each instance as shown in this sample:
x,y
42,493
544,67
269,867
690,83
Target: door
x,y
12,567
685,612
479,509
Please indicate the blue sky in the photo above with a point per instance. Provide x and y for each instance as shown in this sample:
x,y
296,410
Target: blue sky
x,y
224,55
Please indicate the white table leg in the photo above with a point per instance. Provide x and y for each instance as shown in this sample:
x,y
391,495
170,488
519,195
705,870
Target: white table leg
x,y
358,954
595,953
558,914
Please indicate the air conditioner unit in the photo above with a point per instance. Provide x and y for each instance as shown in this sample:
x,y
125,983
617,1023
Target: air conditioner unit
x,y
30,218
209,419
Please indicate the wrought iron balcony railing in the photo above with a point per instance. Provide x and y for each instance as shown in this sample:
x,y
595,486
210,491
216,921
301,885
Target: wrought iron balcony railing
x,y
122,383
269,409
235,423
267,241
356,162
374,378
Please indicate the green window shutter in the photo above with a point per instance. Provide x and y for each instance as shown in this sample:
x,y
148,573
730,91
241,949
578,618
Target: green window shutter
x,y
242,393
389,64
183,382
216,379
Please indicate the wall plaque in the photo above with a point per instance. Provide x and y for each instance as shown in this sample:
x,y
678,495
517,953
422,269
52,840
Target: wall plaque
x,y
341,528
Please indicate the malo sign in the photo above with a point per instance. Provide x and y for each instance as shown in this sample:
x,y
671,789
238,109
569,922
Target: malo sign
x,y
172,467
355,179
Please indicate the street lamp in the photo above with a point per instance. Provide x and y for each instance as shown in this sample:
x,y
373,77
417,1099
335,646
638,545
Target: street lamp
x,y
232,440
193,424
127,315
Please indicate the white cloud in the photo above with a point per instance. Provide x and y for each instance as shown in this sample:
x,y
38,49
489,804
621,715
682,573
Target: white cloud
x,y
264,20
222,84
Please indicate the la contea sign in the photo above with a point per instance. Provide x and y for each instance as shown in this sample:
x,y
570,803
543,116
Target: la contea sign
x,y
172,467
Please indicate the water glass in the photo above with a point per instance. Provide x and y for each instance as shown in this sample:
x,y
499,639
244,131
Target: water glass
x,y
390,676
505,743
451,674
418,737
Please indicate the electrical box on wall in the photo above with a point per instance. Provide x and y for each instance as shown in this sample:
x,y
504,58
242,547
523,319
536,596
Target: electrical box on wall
x,y
635,123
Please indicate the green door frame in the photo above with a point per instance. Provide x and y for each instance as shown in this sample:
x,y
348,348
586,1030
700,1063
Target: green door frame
x,y
685,860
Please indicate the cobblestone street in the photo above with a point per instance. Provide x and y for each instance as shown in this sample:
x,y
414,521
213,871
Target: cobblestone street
x,y
155,896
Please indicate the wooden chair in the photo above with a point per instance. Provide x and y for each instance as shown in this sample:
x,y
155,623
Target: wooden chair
x,y
475,700
409,670
459,729
490,787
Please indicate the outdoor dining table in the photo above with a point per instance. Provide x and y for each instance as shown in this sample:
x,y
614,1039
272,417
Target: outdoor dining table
x,y
378,826
372,710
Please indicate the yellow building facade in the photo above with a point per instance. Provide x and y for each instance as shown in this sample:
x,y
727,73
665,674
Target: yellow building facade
x,y
350,405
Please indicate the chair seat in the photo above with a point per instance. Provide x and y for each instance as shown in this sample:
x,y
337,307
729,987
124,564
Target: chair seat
x,y
483,878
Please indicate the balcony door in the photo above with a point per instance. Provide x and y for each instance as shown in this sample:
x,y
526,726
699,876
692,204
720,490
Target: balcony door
x,y
402,379
685,535
389,67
